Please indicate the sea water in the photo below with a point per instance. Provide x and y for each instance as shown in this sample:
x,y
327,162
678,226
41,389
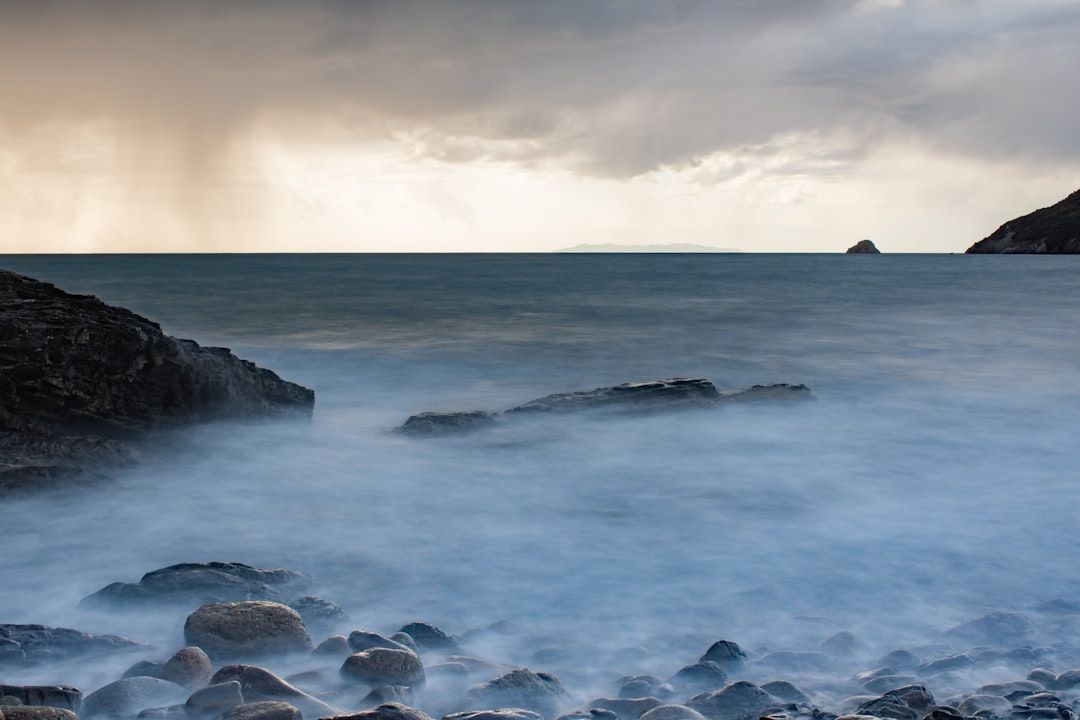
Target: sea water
x,y
932,479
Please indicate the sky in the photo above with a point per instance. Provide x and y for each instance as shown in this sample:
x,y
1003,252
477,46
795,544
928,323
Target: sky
x,y
531,125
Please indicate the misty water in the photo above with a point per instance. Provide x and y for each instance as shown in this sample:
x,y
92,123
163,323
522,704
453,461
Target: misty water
x,y
932,479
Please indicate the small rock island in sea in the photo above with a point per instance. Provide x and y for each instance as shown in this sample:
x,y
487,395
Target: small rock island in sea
x,y
1053,230
863,247
80,381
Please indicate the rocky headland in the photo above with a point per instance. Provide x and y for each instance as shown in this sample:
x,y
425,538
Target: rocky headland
x,y
1053,230
246,657
82,381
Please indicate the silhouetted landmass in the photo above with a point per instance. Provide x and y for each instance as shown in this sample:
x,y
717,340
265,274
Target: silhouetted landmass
x,y
863,247
1053,230
80,380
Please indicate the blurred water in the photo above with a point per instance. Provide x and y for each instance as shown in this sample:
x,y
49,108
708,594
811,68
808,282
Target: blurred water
x,y
933,478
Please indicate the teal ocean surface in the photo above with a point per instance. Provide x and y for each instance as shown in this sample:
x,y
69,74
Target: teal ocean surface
x,y
933,479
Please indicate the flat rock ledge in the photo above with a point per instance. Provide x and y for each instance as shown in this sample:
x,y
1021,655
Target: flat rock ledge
x,y
81,381
642,397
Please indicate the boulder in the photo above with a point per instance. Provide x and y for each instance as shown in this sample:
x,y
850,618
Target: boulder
x,y
863,247
247,629
786,692
428,637
441,423
539,692
129,696
1052,230
41,643
672,712
387,711
726,654
195,584
496,714
319,614
700,677
384,694
625,708
213,700
361,640
81,379
263,710
59,696
740,700
335,646
35,712
189,667
258,683
384,666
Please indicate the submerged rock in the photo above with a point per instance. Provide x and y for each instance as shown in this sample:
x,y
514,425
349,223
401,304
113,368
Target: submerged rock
x,y
539,692
440,423
644,397
129,696
80,379
41,643
677,392
194,584
257,684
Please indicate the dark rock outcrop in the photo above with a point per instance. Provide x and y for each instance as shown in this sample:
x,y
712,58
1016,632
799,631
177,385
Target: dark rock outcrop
x,y
195,584
863,247
79,380
40,643
643,397
58,696
1053,230
440,423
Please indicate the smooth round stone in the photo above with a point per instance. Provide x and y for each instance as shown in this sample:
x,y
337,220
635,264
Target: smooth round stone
x,y
672,712
247,629
264,710
384,666
129,696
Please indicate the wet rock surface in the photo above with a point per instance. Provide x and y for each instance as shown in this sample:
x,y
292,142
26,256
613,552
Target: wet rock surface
x,y
643,397
41,643
996,666
195,584
81,381
247,629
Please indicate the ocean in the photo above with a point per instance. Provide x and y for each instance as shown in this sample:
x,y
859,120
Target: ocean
x,y
933,478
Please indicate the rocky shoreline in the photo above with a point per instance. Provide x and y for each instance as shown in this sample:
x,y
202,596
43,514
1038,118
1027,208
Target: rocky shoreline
x,y
83,382
246,657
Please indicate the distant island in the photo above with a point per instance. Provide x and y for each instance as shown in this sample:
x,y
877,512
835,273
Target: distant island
x,y
654,248
1053,230
863,247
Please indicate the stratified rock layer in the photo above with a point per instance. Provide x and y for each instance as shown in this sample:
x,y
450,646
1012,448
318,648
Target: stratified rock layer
x,y
79,378
1053,230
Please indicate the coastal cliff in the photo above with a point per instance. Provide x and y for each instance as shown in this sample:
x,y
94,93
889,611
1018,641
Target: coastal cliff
x,y
1053,230
80,380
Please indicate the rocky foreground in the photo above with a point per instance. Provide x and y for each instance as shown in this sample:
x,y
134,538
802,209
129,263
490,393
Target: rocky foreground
x,y
82,381
990,667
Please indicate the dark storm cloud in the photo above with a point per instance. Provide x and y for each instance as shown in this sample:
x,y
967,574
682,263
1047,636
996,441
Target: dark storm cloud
x,y
609,87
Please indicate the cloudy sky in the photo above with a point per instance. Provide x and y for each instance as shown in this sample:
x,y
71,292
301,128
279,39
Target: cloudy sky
x,y
531,125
